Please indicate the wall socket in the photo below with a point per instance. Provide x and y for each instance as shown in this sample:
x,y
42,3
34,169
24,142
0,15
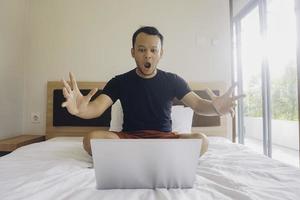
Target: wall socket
x,y
35,118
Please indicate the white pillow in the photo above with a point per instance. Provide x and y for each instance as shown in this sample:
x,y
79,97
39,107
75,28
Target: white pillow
x,y
116,122
182,118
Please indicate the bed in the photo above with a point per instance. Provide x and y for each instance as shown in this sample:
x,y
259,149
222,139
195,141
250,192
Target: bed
x,y
59,168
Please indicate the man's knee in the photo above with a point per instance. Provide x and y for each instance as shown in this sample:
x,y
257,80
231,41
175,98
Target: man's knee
x,y
87,140
189,135
198,135
96,134
102,135
193,135
204,143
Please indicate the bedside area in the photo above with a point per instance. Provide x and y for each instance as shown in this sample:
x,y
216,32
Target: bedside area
x,y
10,144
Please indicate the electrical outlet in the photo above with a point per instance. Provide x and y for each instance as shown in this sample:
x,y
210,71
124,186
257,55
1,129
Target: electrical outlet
x,y
35,118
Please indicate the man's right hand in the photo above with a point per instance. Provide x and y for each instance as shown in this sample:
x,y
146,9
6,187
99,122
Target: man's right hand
x,y
75,102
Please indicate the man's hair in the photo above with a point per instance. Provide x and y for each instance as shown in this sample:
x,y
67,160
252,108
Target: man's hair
x,y
150,30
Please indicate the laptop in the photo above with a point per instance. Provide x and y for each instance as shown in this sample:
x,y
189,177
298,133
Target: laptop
x,y
145,163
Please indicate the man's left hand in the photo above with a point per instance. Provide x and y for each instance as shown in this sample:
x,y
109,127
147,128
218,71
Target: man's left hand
x,y
225,103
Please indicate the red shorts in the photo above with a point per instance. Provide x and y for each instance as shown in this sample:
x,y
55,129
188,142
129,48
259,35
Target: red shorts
x,y
147,134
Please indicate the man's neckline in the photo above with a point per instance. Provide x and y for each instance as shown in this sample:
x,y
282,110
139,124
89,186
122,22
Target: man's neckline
x,y
140,75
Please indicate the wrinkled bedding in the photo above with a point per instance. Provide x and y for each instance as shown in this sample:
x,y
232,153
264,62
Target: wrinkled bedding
x,y
60,169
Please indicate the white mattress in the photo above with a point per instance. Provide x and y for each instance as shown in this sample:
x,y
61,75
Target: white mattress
x,y
60,169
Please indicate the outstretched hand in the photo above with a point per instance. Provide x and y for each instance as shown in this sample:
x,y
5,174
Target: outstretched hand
x,y
75,101
225,103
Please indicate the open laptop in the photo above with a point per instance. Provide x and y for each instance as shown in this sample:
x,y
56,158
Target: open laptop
x,y
145,163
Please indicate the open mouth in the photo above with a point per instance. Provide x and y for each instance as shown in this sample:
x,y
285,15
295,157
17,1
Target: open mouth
x,y
147,65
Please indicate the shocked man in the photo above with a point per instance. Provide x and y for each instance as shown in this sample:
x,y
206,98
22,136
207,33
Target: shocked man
x,y
146,94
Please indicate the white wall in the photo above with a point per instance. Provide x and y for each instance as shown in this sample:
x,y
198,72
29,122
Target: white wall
x,y
12,33
93,39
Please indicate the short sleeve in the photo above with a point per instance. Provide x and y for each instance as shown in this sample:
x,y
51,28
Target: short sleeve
x,y
181,87
111,89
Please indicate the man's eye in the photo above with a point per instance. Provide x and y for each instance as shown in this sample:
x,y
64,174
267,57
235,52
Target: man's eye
x,y
141,50
153,50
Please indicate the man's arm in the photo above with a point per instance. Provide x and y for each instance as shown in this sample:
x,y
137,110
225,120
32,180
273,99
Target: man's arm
x,y
217,106
80,105
199,105
96,108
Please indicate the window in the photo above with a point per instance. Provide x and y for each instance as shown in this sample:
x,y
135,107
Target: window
x,y
266,69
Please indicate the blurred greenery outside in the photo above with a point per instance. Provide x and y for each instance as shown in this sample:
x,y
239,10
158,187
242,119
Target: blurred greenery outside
x,y
284,96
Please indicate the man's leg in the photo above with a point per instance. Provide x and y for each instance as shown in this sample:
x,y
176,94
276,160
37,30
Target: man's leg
x,y
204,145
97,134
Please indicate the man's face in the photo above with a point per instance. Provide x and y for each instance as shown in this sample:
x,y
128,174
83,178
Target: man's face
x,y
147,52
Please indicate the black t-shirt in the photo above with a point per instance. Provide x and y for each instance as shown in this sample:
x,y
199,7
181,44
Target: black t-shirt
x,y
146,103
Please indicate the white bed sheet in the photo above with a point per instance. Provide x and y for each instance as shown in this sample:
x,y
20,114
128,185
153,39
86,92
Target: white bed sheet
x,y
61,169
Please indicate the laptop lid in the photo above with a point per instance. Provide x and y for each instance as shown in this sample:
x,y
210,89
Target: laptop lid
x,y
145,163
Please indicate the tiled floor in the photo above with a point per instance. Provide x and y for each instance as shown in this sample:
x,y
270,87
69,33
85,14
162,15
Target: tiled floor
x,y
286,155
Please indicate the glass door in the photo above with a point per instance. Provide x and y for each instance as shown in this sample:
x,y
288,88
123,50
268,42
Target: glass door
x,y
250,129
281,41
266,69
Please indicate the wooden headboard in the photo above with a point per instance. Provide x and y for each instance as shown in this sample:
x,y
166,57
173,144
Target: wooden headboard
x,y
212,126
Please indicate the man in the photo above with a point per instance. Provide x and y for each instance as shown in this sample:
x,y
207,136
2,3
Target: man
x,y
146,95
